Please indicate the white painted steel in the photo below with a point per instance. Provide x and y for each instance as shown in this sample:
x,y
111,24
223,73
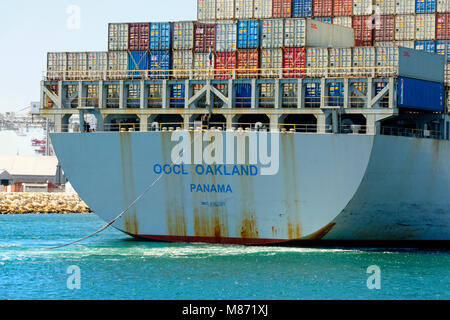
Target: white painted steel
x,y
352,183
118,36
405,27
425,27
294,33
225,9
183,35
226,36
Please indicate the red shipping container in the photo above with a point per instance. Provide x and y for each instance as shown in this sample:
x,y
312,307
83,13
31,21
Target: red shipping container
x,y
322,8
343,8
226,63
204,37
294,62
443,26
384,28
247,63
138,36
363,31
282,8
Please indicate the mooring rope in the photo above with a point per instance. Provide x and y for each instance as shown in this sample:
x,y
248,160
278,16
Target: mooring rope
x,y
124,211
115,219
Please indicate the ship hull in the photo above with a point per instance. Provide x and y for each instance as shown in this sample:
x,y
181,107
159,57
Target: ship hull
x,y
327,188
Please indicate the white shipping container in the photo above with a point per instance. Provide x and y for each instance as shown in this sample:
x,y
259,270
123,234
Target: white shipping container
x,y
226,37
340,61
263,9
56,65
225,9
406,44
362,7
76,65
443,6
243,9
343,21
271,62
117,64
320,34
118,37
97,64
316,62
405,6
384,44
272,33
425,26
405,27
206,10
183,35
204,65
447,77
363,60
295,33
182,63
385,7
387,61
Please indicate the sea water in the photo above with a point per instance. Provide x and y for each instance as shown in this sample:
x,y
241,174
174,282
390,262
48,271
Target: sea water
x,y
114,266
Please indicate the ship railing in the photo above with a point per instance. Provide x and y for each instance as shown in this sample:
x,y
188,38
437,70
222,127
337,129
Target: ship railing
x,y
222,74
256,127
410,132
219,126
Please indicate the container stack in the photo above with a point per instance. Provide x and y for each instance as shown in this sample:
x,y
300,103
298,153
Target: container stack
x,y
235,38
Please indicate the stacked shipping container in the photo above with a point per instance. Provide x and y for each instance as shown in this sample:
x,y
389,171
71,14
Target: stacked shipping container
x,y
249,34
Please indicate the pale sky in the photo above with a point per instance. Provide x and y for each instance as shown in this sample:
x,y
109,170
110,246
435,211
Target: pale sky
x,y
29,29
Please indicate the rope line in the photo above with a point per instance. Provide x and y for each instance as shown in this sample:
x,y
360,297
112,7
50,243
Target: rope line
x,y
123,212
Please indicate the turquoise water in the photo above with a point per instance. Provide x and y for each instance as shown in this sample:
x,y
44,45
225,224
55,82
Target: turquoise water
x,y
114,266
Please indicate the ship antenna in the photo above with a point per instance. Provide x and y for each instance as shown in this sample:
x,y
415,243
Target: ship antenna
x,y
123,212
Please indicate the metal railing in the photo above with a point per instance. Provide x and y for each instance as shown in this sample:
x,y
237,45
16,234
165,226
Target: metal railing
x,y
222,74
259,127
412,133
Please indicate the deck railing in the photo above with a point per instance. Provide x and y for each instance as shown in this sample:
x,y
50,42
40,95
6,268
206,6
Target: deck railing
x,y
222,74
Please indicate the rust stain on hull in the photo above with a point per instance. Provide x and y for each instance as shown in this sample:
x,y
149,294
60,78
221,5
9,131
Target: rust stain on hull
x,y
294,231
292,192
174,193
249,228
131,225
128,183
319,235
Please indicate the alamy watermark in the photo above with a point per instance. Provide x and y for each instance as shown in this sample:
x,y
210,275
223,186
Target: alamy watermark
x,y
374,280
260,150
73,21
74,279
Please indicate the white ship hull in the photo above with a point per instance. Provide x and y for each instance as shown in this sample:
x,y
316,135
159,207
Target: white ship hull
x,y
329,187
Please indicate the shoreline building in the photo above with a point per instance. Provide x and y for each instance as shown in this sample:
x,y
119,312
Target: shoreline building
x,y
31,174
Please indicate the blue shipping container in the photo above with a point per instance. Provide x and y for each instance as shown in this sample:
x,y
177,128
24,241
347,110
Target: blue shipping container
x,y
244,95
248,34
336,94
158,62
324,19
302,8
421,95
425,6
312,95
137,60
426,45
160,36
443,47
177,96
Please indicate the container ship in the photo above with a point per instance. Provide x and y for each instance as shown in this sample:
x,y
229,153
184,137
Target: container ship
x,y
263,123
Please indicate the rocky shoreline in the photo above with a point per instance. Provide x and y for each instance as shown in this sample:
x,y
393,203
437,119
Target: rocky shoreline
x,y
38,203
